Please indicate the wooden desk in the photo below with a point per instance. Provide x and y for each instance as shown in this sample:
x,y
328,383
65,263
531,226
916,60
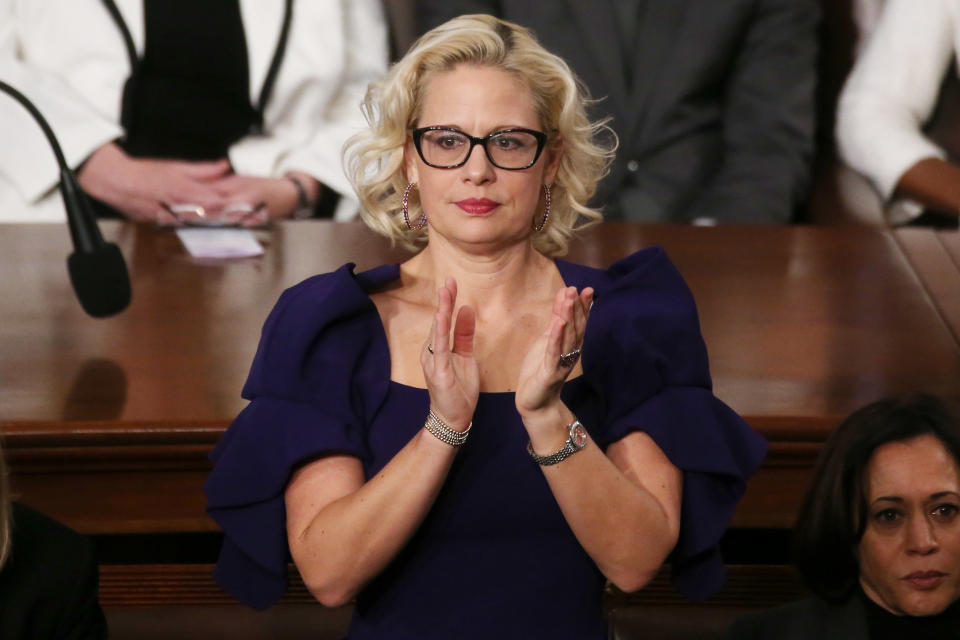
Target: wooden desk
x,y
107,423
935,256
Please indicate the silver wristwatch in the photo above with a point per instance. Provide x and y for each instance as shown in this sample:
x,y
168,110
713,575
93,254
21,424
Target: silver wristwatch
x,y
575,441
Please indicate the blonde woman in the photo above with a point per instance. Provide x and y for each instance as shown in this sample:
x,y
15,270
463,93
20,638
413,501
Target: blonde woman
x,y
474,441
48,577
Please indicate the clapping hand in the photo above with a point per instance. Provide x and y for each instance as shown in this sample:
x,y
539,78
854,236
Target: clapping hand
x,y
452,374
553,355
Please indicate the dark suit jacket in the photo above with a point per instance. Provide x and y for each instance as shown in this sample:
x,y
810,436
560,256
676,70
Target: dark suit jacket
x,y
720,121
48,587
807,619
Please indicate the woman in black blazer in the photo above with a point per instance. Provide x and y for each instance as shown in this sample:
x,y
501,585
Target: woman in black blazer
x,y
878,536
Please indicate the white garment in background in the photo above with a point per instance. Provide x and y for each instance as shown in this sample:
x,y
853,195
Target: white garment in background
x,y
68,57
866,14
892,91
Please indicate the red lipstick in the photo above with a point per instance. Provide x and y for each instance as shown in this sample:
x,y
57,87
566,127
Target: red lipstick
x,y
925,580
478,206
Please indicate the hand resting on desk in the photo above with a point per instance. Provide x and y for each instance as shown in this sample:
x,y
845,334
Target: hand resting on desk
x,y
145,189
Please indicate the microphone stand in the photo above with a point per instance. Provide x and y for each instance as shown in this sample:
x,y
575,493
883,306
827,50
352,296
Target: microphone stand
x,y
97,269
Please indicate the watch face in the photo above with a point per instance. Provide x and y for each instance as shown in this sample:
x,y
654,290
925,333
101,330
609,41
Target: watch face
x,y
578,435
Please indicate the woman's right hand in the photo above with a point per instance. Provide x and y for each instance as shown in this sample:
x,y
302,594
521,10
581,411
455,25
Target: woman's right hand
x,y
452,374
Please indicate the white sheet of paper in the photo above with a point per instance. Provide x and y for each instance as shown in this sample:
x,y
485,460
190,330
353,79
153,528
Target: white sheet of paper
x,y
219,243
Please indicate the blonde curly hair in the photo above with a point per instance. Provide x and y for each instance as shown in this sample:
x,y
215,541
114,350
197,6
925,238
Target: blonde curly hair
x,y
375,157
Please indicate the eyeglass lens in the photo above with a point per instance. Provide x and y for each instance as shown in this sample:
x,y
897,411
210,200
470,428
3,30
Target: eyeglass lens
x,y
507,150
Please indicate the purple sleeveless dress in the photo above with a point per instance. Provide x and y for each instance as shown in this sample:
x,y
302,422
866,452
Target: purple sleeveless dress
x,y
494,556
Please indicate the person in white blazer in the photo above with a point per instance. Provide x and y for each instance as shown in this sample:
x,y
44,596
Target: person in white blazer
x,y
889,98
69,57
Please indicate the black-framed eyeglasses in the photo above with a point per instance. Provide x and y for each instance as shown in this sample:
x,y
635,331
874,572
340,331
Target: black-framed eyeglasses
x,y
512,149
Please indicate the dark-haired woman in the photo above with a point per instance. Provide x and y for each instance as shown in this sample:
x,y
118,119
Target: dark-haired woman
x,y
878,537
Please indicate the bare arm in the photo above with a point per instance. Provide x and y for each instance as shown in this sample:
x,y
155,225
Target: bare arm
x,y
341,531
623,507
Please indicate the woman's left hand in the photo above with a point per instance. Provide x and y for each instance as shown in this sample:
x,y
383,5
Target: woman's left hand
x,y
544,370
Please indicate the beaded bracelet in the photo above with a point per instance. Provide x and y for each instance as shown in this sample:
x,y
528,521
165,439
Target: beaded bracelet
x,y
444,433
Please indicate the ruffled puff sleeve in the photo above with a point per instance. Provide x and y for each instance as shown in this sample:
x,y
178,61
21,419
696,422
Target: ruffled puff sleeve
x,y
646,361
313,380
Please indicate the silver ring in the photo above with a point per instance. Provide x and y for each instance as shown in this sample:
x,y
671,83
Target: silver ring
x,y
567,360
430,348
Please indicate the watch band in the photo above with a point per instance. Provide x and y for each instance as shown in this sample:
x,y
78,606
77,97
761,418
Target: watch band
x,y
576,440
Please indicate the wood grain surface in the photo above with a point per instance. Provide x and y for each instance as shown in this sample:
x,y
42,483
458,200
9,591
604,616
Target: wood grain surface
x,y
107,423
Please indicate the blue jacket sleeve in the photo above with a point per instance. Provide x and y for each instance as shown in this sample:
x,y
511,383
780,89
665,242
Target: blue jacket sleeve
x,y
312,383
645,357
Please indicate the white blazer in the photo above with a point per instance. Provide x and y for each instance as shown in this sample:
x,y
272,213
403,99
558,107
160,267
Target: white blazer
x,y
891,93
68,57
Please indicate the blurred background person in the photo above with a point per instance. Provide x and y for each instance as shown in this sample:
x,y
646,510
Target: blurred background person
x,y
712,102
48,577
865,15
878,536
217,108
887,102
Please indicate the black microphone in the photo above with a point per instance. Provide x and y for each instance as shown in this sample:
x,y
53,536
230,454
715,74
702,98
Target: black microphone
x,y
97,269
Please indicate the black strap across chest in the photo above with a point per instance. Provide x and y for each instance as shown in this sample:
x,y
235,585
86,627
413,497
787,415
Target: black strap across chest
x,y
188,95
